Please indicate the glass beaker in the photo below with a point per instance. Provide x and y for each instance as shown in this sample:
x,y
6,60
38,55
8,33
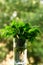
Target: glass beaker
x,y
20,53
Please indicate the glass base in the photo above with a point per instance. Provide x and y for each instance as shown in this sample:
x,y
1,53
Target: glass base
x,y
19,63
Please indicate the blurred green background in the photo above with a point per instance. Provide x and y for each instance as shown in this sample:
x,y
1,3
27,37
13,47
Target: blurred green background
x,y
29,11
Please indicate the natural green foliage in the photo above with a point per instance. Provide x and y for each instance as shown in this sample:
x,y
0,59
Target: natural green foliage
x,y
8,7
20,30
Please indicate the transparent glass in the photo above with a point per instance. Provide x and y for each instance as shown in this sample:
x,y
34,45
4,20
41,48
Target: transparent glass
x,y
20,54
